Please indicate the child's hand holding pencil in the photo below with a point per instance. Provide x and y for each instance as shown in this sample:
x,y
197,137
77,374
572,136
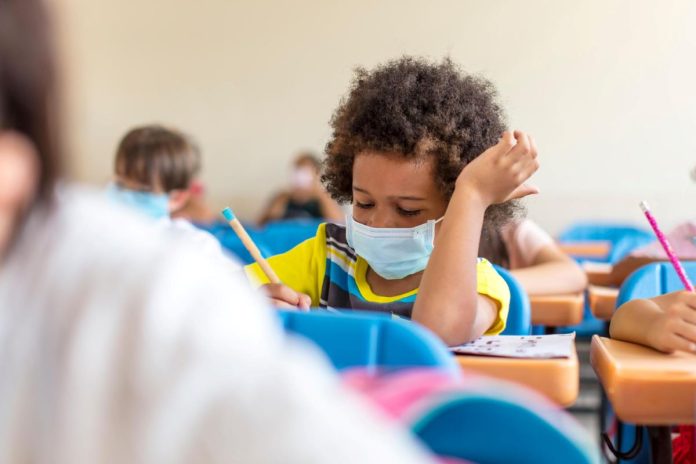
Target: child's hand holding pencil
x,y
285,297
281,295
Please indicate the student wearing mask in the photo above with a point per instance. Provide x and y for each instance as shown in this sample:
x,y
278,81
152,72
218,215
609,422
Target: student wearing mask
x,y
306,198
153,172
123,344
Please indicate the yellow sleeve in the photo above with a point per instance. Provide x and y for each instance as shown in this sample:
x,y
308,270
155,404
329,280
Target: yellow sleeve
x,y
302,268
492,285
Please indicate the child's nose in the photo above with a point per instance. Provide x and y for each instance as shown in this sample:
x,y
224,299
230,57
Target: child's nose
x,y
380,221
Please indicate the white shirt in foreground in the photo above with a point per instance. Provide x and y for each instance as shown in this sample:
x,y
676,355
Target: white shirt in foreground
x,y
120,344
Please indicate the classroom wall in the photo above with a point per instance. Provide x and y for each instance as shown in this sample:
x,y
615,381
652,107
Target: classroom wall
x,y
606,87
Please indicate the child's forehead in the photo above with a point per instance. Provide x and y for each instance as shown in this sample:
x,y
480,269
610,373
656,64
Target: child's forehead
x,y
395,174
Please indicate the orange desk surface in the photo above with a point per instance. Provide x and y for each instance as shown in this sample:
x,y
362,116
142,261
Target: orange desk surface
x,y
557,379
602,301
557,310
645,386
608,275
599,273
590,249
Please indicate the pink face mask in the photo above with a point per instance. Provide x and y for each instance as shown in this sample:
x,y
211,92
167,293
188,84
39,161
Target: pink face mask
x,y
302,178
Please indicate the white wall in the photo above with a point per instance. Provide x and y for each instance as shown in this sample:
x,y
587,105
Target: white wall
x,y
606,87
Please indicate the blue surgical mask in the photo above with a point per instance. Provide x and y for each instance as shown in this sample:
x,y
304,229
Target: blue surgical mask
x,y
393,253
155,205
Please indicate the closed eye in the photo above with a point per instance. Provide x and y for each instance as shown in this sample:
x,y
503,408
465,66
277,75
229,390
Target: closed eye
x,y
408,212
364,205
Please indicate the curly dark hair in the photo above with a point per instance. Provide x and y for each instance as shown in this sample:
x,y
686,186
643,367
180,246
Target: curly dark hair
x,y
414,107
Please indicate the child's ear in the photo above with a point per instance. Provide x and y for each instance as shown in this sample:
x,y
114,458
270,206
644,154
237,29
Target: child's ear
x,y
178,199
19,181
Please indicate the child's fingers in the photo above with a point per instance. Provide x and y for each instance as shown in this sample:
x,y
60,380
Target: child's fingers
x,y
280,304
523,145
677,342
689,299
686,330
523,155
504,145
687,313
523,191
283,293
507,139
305,302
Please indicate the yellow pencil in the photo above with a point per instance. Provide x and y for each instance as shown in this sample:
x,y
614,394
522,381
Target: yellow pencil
x,y
250,245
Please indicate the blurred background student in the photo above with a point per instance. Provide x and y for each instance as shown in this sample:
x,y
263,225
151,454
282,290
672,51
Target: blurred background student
x,y
305,198
533,257
123,344
196,208
154,169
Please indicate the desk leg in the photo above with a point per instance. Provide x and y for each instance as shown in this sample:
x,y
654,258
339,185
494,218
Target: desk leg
x,y
660,444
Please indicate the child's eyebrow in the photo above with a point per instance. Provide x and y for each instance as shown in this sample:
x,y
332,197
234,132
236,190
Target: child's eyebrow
x,y
397,197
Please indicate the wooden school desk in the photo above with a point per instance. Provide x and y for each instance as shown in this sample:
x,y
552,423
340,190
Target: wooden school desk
x,y
609,275
557,310
590,249
647,387
602,301
557,379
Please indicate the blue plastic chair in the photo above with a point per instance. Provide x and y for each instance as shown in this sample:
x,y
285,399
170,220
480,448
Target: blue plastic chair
x,y
231,242
623,237
500,426
653,280
281,236
519,321
372,341
649,281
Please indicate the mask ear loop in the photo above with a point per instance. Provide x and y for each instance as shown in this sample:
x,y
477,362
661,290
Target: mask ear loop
x,y
434,223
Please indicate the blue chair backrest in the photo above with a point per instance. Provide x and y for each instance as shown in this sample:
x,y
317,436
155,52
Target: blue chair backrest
x,y
653,280
519,321
282,236
623,237
231,242
496,425
372,341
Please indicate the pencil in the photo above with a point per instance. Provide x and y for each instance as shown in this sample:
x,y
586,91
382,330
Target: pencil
x,y
666,246
250,245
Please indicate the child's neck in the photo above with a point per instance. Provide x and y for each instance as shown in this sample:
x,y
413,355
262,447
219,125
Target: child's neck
x,y
385,287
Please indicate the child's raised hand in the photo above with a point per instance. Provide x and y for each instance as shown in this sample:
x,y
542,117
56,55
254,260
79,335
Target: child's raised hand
x,y
285,297
675,327
499,173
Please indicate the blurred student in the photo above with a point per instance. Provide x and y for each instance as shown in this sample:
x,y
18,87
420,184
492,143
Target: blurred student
x,y
154,169
306,198
196,209
120,343
533,257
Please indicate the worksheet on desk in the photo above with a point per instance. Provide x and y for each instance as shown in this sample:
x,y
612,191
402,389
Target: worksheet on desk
x,y
520,346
